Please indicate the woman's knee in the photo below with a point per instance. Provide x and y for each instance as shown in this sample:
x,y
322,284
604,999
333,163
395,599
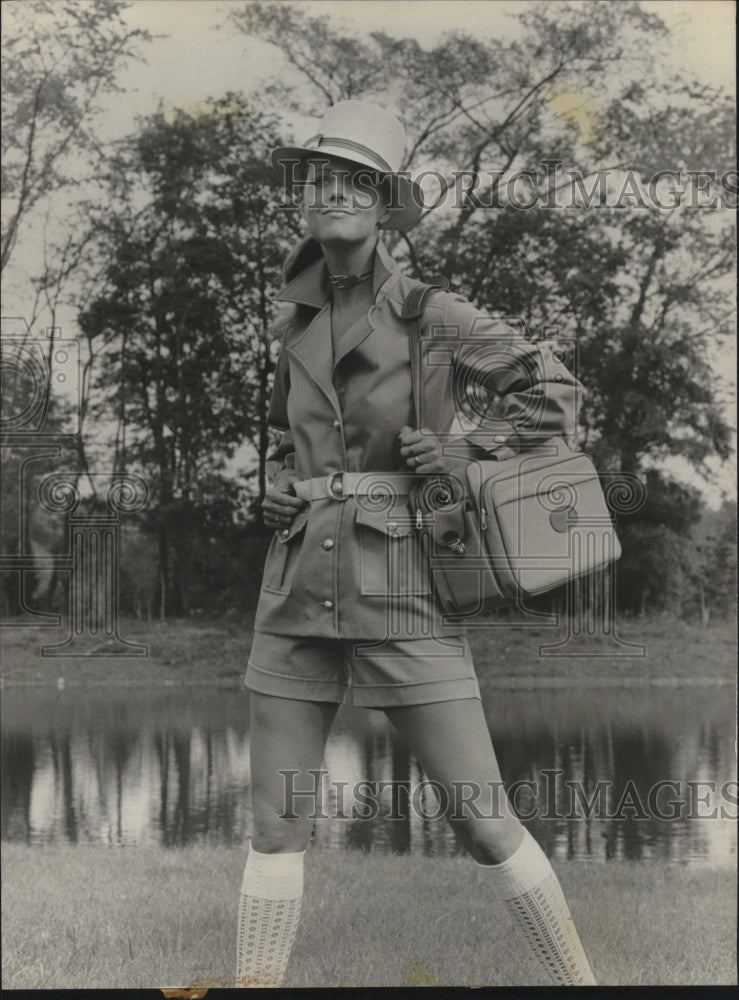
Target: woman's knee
x,y
489,841
274,834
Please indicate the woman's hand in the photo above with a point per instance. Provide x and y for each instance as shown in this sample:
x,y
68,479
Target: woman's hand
x,y
421,452
280,506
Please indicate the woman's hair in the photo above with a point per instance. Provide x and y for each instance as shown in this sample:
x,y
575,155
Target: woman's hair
x,y
307,252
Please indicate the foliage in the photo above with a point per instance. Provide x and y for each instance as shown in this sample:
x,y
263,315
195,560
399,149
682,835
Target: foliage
x,y
30,411
194,240
714,563
656,565
58,62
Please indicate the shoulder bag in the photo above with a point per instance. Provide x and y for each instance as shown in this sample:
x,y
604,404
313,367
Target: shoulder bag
x,y
518,527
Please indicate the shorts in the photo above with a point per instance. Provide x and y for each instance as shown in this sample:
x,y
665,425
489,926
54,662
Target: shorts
x,y
370,673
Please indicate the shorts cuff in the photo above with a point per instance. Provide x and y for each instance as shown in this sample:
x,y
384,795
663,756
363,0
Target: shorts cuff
x,y
283,686
398,695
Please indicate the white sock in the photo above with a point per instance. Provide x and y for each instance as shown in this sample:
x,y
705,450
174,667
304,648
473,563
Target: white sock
x,y
269,910
526,883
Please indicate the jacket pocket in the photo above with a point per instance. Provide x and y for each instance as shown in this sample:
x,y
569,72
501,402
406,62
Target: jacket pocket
x,y
391,557
282,555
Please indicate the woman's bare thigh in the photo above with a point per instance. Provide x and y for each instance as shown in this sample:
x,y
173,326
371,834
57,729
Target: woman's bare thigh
x,y
287,741
452,742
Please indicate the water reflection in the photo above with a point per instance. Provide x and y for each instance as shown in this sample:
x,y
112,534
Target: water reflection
x,y
171,766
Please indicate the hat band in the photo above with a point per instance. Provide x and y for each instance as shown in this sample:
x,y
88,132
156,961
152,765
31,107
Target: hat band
x,y
353,147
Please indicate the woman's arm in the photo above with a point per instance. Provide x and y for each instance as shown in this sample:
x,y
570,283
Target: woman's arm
x,y
512,393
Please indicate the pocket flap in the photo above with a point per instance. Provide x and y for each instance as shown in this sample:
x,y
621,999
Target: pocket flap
x,y
298,523
570,478
396,522
481,473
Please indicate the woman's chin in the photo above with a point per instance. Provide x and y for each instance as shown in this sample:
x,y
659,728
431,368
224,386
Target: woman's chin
x,y
339,228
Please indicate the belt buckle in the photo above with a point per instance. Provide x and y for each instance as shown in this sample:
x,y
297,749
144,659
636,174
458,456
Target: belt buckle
x,y
335,486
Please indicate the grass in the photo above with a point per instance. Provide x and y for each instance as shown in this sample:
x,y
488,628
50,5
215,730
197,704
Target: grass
x,y
214,652
91,917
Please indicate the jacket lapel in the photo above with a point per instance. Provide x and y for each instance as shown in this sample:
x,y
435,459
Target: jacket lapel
x,y
313,351
313,348
385,266
309,288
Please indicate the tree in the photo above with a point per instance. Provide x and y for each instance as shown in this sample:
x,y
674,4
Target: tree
x,y
195,240
58,61
714,563
657,563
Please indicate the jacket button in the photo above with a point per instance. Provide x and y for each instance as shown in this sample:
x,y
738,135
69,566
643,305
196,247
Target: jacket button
x,y
327,605
327,543
284,533
336,425
499,438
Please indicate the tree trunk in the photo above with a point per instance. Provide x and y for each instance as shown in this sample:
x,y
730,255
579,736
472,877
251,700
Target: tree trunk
x,y
705,609
163,574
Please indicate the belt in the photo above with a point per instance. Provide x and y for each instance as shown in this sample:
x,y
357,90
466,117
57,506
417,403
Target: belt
x,y
340,485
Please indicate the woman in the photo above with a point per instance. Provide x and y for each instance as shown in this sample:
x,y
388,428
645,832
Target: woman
x,y
346,602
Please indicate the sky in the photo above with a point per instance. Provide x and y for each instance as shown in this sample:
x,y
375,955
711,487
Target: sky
x,y
197,60
196,57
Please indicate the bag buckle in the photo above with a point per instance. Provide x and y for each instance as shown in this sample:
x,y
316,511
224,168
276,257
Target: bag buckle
x,y
335,486
452,541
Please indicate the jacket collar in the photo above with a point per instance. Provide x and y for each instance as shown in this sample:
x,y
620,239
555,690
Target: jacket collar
x,y
311,287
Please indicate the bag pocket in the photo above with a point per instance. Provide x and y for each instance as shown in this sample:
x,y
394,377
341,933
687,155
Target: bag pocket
x,y
464,581
391,557
530,534
282,555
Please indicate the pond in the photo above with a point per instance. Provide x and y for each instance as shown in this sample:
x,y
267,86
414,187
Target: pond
x,y
597,774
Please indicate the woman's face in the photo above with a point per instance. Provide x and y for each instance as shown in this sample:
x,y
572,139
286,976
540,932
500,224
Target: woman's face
x,y
341,202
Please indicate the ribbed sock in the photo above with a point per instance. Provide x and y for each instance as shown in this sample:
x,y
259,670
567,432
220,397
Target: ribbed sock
x,y
526,883
269,910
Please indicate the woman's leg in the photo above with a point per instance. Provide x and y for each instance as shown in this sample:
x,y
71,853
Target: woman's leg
x,y
452,742
287,742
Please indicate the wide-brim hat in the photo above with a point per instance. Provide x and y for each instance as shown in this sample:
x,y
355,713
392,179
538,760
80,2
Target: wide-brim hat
x,y
370,136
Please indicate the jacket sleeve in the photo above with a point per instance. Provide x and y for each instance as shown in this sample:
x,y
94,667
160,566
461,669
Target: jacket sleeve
x,y
509,393
281,462
277,413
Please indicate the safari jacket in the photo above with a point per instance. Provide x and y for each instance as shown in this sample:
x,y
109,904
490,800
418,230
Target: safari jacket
x,y
353,567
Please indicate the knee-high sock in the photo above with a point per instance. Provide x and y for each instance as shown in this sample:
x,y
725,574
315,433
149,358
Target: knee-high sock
x,y
269,910
526,883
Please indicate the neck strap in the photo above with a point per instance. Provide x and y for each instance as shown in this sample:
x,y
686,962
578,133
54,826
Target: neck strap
x,y
349,280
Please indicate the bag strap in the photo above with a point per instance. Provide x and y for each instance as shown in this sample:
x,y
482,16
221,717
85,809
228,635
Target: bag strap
x,y
412,312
